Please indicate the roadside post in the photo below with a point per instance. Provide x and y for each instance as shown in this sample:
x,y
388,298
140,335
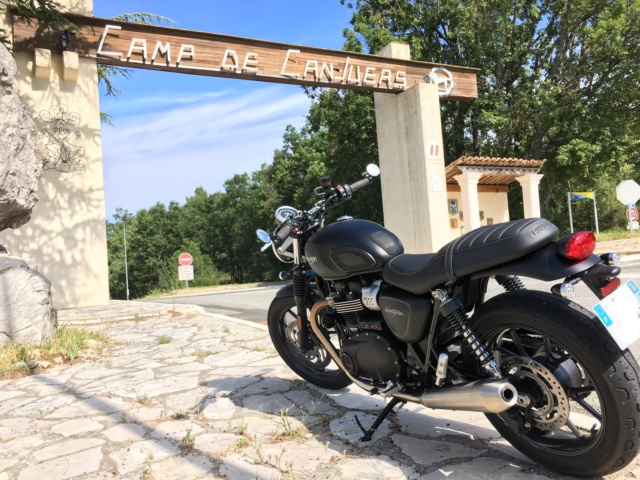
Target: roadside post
x,y
628,192
185,270
577,196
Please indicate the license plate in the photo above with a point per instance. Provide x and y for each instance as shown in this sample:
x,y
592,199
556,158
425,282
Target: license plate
x,y
619,312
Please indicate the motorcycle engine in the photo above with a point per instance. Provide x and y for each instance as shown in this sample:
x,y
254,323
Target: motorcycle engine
x,y
372,356
371,353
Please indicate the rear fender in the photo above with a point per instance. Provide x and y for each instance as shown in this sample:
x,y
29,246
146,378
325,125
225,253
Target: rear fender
x,y
544,264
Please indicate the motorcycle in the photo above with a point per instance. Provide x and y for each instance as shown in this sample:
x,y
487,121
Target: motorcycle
x,y
546,372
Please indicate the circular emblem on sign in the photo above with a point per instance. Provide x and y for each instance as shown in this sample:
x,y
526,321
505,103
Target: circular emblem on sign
x,y
442,78
632,214
185,259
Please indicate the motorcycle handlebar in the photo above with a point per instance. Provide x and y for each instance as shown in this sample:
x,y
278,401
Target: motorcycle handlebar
x,y
282,234
359,184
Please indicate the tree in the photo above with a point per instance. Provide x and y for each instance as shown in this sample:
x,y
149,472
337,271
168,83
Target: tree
x,y
108,73
46,12
558,80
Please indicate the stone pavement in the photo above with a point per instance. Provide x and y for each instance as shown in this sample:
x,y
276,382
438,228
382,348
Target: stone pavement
x,y
184,394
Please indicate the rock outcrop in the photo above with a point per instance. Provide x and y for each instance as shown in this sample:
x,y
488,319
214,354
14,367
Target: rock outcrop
x,y
21,154
26,312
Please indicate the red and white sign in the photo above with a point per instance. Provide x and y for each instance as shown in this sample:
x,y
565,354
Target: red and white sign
x,y
632,214
185,272
185,259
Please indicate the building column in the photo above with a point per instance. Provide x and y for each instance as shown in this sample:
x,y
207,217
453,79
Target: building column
x,y
468,182
531,194
66,236
414,193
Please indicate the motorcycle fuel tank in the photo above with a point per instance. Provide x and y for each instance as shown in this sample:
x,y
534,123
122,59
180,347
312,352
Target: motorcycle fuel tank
x,y
351,247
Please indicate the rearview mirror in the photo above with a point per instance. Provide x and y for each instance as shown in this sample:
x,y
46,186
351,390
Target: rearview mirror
x,y
263,236
373,170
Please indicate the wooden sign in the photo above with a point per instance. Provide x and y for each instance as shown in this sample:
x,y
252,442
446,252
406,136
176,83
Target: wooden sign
x,y
133,45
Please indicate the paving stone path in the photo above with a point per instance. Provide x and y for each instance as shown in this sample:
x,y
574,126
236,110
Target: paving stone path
x,y
184,395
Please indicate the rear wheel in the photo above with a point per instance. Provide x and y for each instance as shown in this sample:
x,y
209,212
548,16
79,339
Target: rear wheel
x,y
316,366
578,409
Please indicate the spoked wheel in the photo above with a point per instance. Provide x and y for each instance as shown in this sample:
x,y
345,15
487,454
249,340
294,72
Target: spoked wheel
x,y
578,410
316,365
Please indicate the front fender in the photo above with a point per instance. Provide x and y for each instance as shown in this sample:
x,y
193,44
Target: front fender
x,y
544,264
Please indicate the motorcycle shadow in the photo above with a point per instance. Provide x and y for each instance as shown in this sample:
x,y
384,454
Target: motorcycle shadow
x,y
271,415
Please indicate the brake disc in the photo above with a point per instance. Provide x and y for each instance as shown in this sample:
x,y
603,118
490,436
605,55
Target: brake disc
x,y
314,356
552,409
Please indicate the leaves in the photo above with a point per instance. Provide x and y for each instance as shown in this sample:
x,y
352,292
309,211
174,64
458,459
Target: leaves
x,y
557,80
144,18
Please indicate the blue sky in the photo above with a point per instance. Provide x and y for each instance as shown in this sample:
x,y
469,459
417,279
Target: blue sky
x,y
175,132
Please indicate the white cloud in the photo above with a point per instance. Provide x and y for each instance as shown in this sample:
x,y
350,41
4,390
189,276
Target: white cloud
x,y
199,140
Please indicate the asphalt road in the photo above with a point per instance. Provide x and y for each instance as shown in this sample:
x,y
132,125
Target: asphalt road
x,y
252,304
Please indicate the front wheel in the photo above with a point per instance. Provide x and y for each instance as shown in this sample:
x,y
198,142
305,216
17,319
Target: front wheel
x,y
315,366
578,410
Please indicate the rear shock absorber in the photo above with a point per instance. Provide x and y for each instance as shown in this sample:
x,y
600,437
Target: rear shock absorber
x,y
455,313
510,283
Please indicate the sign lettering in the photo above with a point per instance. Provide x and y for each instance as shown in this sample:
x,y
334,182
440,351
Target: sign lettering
x,y
146,46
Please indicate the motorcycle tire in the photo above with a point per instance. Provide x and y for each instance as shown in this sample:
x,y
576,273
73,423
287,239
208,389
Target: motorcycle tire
x,y
583,413
315,366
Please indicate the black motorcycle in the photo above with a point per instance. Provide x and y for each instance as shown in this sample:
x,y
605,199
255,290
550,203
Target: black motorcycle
x,y
547,373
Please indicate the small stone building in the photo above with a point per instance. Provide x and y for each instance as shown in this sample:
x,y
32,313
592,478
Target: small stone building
x,y
477,190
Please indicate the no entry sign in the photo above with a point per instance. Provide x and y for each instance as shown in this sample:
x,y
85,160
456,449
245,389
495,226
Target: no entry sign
x,y
185,259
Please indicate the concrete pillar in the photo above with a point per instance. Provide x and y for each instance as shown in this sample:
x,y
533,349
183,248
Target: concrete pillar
x,y
531,194
414,192
66,236
468,182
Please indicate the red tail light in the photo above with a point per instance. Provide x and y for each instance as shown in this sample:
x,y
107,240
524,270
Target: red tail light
x,y
580,246
610,287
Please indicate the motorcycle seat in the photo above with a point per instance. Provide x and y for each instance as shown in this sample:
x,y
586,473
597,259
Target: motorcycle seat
x,y
477,250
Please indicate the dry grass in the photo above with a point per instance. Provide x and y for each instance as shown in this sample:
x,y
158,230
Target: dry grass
x,y
67,346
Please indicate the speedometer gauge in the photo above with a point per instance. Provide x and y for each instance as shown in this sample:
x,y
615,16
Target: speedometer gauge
x,y
284,212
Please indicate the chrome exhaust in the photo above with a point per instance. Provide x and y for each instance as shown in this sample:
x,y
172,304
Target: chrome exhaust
x,y
487,396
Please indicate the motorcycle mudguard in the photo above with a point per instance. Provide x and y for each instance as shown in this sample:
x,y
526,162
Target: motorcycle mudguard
x,y
544,264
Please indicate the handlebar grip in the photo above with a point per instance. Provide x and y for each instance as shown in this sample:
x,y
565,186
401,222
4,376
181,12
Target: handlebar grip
x,y
282,234
359,184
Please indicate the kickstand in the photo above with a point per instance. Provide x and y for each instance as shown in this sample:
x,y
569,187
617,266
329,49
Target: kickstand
x,y
368,434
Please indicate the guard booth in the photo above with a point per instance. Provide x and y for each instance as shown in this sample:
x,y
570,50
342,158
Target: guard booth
x,y
477,191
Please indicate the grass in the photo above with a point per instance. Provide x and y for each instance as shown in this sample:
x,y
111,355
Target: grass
x,y
617,233
188,442
288,424
202,353
66,346
164,339
143,400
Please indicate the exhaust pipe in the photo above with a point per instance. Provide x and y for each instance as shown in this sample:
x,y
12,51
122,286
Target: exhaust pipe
x,y
486,396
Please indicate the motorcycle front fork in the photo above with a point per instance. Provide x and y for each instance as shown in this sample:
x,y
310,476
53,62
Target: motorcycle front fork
x,y
299,278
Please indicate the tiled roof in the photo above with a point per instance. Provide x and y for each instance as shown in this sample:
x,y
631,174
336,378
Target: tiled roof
x,y
497,171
